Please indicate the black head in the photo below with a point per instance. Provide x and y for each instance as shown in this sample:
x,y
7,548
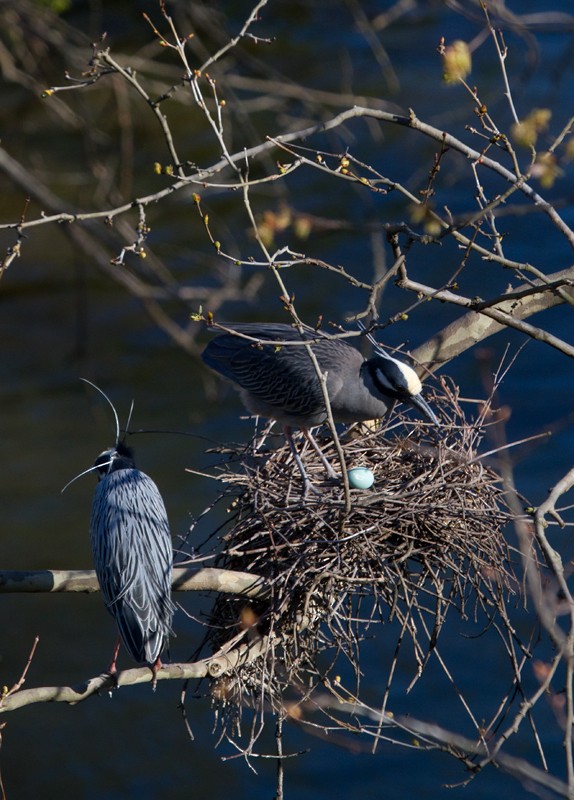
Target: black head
x,y
114,459
396,380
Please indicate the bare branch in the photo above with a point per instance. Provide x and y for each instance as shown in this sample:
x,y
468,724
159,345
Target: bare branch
x,y
215,667
185,579
479,325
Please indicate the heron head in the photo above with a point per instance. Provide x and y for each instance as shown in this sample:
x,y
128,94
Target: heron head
x,y
118,457
397,380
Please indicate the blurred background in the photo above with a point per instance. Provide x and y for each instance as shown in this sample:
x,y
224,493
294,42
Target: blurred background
x,y
67,312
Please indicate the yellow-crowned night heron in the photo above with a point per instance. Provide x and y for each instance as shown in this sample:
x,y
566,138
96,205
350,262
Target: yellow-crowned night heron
x,y
280,381
133,554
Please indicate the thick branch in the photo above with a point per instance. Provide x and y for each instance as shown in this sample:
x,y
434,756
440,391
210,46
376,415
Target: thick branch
x,y
185,579
518,767
212,667
475,326
452,743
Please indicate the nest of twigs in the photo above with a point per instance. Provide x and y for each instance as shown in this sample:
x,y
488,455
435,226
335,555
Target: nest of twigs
x,y
424,540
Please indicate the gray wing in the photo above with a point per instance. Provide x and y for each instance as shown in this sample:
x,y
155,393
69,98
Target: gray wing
x,y
284,378
133,560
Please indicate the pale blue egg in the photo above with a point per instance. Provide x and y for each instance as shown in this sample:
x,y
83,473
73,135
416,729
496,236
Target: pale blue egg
x,y
360,478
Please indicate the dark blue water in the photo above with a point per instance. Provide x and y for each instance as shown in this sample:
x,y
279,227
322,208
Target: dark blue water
x,y
54,331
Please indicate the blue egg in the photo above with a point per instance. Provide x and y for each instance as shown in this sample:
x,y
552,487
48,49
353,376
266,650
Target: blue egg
x,y
360,478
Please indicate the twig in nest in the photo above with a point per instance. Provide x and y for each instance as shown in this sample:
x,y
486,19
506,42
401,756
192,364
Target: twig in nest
x,y
426,538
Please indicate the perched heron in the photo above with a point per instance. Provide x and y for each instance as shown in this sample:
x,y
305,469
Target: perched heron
x,y
133,554
280,382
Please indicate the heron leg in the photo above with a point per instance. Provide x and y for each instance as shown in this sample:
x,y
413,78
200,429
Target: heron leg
x,y
312,441
112,669
307,485
155,667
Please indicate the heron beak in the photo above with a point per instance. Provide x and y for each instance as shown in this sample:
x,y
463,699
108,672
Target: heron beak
x,y
418,401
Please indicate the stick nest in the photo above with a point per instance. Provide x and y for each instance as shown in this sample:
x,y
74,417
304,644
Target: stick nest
x,y
425,539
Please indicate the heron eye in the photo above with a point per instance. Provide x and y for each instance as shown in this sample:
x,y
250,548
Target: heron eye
x,y
392,379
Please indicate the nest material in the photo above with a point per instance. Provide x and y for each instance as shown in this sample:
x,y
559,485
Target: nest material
x,y
426,538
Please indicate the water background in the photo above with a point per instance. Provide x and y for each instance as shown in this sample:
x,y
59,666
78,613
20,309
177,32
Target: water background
x,y
61,319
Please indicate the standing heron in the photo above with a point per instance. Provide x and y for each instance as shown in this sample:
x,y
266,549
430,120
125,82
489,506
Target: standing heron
x,y
280,382
133,554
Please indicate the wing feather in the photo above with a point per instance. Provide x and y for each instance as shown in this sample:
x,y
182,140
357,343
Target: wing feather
x,y
133,559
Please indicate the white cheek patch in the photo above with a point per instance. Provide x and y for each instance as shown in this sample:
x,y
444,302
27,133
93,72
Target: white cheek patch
x,y
414,386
